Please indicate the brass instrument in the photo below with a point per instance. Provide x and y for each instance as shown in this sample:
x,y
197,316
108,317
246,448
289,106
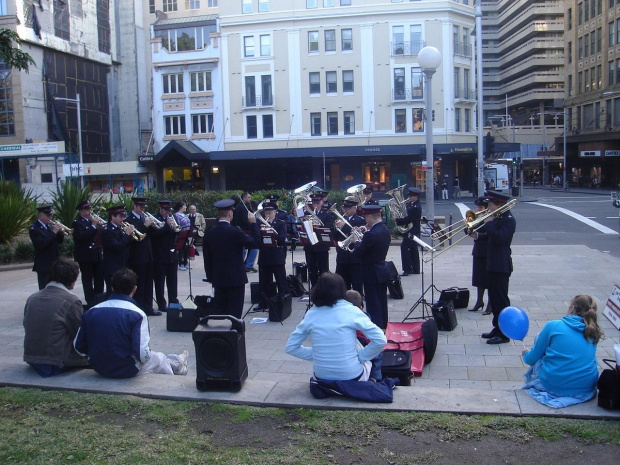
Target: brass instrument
x,y
476,220
157,223
316,221
175,226
135,235
100,221
356,235
397,207
259,216
302,196
63,229
357,191
334,209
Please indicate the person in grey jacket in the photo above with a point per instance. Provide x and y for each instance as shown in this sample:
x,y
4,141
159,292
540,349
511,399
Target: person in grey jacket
x,y
52,317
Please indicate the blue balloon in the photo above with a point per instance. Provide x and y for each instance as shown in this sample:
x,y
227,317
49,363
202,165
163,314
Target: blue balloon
x,y
514,323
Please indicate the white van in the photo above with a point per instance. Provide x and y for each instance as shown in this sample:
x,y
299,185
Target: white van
x,y
497,176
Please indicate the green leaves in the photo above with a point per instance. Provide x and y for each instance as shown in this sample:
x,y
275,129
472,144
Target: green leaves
x,y
17,210
13,56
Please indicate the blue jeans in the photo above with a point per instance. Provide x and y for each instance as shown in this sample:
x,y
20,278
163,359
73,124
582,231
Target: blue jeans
x,y
250,258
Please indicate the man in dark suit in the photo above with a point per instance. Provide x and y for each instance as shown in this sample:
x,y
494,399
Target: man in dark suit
x,y
409,254
272,256
141,256
223,246
348,265
317,255
499,230
372,251
165,257
45,238
87,251
115,242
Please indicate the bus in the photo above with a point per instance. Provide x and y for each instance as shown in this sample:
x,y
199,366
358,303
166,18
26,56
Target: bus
x,y
497,176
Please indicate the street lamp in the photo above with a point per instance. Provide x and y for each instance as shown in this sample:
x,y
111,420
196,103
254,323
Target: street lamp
x,y
479,96
76,100
429,59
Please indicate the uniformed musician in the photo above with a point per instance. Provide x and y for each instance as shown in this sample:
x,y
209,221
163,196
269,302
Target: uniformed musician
x,y
115,243
271,260
372,251
348,265
87,251
499,230
409,253
45,238
479,251
223,246
317,255
165,256
141,256
368,200
280,214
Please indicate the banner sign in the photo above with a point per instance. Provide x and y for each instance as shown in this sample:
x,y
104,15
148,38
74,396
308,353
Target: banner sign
x,y
612,307
23,150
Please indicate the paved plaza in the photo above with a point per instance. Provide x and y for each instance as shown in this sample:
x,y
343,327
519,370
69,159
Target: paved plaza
x,y
466,375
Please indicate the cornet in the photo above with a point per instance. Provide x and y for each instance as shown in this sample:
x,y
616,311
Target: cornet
x,y
175,225
135,235
65,230
100,221
157,223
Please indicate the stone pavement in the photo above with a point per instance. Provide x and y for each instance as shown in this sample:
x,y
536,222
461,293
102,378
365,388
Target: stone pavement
x,y
466,375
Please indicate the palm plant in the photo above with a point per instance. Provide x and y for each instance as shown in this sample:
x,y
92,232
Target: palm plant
x,y
17,208
65,201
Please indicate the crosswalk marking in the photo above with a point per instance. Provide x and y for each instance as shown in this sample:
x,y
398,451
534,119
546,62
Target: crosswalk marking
x,y
578,217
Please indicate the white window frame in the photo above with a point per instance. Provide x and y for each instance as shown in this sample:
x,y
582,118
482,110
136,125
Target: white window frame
x,y
265,45
312,42
345,81
195,78
312,4
334,40
331,115
192,4
247,47
203,122
331,82
346,45
169,5
349,126
263,6
172,80
177,125
315,75
246,6
313,119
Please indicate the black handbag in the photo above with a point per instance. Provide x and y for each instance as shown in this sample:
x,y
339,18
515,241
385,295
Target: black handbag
x,y
444,315
179,319
458,295
609,387
397,364
301,271
395,287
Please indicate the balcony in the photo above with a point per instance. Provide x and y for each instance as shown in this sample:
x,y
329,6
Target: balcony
x,y
462,93
462,49
406,48
257,101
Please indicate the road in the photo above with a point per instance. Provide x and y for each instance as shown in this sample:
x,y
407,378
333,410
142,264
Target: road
x,y
555,218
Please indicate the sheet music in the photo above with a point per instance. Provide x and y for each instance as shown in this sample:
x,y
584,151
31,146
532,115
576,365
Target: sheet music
x,y
310,232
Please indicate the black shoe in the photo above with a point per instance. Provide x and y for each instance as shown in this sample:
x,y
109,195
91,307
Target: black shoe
x,y
416,272
489,335
154,313
405,274
487,312
476,307
498,340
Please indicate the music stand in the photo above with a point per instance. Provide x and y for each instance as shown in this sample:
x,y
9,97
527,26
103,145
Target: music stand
x,y
422,300
270,302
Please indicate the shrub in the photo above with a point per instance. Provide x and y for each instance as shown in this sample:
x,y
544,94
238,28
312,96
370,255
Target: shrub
x,y
6,255
24,251
17,210
67,199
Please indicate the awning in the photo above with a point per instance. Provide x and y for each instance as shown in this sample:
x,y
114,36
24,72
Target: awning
x,y
175,149
192,21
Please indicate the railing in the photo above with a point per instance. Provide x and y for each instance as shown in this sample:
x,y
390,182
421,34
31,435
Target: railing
x,y
406,48
463,93
462,49
257,101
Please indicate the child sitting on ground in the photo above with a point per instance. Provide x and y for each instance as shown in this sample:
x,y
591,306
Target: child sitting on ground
x,y
356,299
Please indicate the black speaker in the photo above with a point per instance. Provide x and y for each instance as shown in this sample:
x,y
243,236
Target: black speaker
x,y
220,354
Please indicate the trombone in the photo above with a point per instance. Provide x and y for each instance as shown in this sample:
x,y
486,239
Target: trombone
x,y
471,223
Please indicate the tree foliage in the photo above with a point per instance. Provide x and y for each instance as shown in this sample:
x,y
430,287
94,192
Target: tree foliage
x,y
11,55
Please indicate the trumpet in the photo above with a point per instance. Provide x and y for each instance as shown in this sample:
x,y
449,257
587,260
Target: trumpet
x,y
135,235
175,225
471,223
356,235
63,229
157,223
100,221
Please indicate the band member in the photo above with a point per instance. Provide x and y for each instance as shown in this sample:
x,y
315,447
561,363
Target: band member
x,y
87,251
271,260
317,255
45,238
240,218
115,241
165,256
499,230
280,214
348,265
223,246
409,253
479,264
368,200
372,251
141,256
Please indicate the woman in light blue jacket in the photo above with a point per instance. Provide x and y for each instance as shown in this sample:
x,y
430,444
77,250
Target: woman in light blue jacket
x,y
563,362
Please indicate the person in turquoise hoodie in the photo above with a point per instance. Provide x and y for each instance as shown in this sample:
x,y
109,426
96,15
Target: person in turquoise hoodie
x,y
563,367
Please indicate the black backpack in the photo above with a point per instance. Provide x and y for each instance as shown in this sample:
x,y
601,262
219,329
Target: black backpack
x,y
296,288
609,387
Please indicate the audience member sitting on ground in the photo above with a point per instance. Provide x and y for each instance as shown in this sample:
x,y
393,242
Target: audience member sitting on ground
x,y
52,317
333,324
115,336
563,363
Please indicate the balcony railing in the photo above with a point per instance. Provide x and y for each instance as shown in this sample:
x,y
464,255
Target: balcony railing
x,y
257,101
462,49
406,48
463,93
407,94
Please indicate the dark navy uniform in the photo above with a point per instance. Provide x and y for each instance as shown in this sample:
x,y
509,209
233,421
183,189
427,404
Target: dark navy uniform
x,y
271,261
317,256
409,252
348,265
88,253
223,246
45,243
165,259
479,277
115,245
372,251
141,262
499,233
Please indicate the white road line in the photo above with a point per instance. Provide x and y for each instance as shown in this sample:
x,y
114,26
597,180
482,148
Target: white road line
x,y
462,208
583,219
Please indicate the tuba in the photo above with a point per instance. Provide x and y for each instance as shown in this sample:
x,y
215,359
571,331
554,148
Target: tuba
x,y
357,191
397,206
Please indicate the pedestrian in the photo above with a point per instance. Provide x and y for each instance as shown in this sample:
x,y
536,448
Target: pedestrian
x,y
444,189
456,185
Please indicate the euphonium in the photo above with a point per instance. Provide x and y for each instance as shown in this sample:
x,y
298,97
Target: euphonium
x,y
357,191
302,195
64,229
397,206
258,215
135,235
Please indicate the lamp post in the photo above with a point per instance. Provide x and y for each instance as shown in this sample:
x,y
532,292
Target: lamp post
x,y
76,100
479,98
429,59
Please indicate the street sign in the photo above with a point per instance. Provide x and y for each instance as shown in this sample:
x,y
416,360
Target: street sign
x,y
22,150
612,307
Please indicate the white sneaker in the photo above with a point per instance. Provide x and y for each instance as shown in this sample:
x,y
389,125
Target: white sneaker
x,y
183,357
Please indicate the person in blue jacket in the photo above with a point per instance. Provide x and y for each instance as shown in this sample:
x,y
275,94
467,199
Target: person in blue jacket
x,y
563,362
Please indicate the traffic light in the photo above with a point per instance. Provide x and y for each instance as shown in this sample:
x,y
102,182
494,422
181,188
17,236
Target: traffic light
x,y
433,114
489,145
